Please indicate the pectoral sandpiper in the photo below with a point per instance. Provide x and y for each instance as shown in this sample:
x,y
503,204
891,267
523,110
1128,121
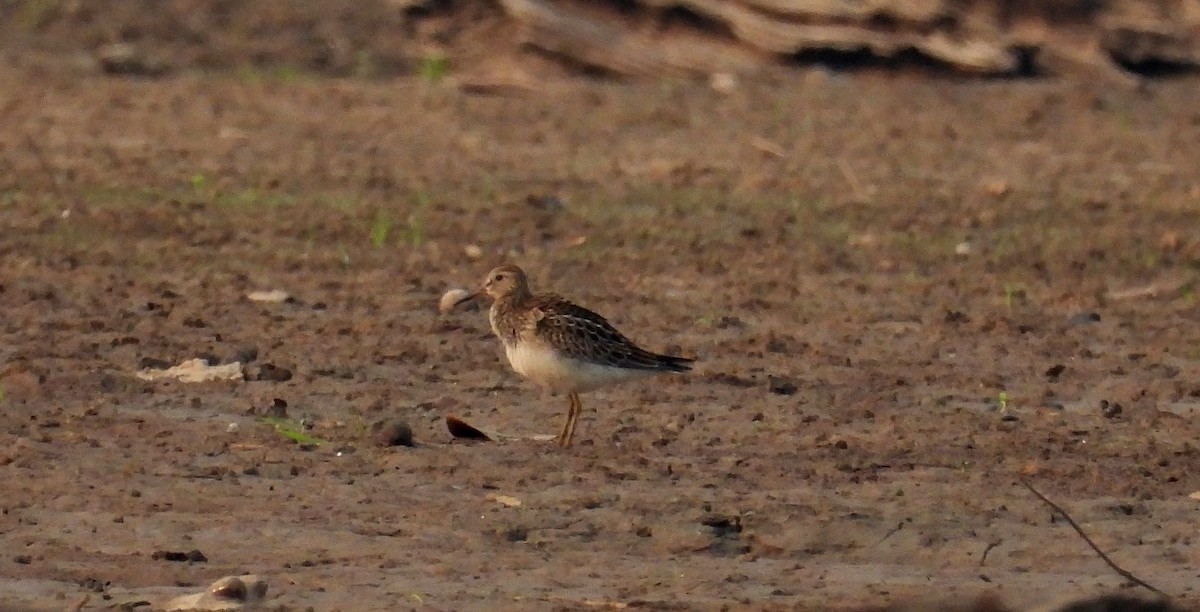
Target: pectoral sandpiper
x,y
561,346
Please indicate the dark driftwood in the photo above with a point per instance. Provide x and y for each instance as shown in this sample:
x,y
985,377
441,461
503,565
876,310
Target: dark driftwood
x,y
995,37
1126,574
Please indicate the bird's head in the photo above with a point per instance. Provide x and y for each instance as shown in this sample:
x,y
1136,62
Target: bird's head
x,y
501,282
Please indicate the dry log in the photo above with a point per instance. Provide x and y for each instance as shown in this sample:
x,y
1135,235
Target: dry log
x,y
995,37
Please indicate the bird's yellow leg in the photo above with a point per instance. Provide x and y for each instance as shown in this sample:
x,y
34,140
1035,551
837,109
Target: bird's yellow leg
x,y
561,440
573,420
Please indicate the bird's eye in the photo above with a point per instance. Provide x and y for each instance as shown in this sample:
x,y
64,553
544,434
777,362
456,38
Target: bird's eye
x,y
499,277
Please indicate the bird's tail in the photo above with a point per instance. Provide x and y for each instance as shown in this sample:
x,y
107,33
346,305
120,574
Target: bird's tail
x,y
670,363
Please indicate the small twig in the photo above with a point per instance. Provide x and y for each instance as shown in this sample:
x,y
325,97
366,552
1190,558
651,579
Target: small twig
x,y
990,546
891,533
852,179
1116,568
496,86
768,147
1149,291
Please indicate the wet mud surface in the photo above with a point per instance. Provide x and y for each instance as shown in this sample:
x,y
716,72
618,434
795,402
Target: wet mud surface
x,y
905,295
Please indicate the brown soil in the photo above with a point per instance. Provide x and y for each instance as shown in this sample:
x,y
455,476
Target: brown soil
x,y
904,295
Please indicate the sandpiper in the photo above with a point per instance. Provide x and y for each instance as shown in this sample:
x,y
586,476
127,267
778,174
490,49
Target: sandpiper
x,y
562,346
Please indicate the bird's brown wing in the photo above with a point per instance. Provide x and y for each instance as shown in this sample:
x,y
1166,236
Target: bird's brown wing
x,y
584,335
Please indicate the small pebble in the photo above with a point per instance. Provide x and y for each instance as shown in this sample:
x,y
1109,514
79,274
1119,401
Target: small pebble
x,y
231,588
228,593
269,296
723,82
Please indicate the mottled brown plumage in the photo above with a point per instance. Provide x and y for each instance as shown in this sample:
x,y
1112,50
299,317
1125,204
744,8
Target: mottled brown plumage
x,y
562,346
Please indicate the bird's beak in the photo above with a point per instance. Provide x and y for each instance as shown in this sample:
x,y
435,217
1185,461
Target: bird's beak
x,y
469,297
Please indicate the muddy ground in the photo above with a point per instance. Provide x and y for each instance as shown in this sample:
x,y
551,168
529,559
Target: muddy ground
x,y
905,294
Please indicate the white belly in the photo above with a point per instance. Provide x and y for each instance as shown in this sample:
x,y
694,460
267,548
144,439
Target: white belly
x,y
557,373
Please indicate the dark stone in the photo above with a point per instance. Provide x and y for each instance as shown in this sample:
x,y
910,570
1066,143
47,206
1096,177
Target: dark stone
x,y
548,203
392,433
94,585
1120,603
723,526
1110,410
150,363
277,409
729,322
273,373
731,380
191,556
956,316
780,385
